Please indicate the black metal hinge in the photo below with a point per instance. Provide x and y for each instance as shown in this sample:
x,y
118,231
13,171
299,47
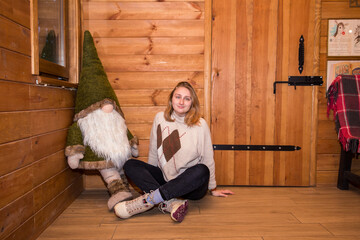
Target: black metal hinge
x,y
255,147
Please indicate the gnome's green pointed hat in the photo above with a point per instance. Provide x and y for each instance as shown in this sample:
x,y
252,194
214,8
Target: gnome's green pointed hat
x,y
94,89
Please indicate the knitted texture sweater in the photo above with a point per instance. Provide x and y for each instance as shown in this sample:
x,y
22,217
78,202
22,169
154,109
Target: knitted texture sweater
x,y
175,146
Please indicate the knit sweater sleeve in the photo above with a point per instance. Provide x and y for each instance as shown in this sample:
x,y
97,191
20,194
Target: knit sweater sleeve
x,y
208,153
153,158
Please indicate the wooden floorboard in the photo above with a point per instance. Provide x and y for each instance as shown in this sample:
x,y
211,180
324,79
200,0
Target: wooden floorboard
x,y
253,213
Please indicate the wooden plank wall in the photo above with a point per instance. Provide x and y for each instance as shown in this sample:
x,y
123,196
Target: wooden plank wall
x,y
36,184
146,48
328,147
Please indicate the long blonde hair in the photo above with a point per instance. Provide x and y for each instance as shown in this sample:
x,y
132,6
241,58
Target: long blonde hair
x,y
193,115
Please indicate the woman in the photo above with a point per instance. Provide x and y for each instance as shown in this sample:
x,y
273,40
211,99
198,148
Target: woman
x,y
180,164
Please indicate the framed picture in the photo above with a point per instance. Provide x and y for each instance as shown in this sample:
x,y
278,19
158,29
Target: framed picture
x,y
344,37
343,67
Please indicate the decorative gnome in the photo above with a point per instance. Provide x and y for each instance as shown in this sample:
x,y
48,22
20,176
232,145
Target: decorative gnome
x,y
99,138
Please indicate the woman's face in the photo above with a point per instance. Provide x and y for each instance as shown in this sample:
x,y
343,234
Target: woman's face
x,y
181,101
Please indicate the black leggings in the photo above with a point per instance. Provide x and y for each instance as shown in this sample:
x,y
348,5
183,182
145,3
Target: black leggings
x,y
191,184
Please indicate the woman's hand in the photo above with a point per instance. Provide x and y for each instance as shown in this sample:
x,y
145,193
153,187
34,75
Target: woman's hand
x,y
221,193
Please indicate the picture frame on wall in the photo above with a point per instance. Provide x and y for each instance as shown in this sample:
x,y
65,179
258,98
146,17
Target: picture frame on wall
x,y
341,67
344,37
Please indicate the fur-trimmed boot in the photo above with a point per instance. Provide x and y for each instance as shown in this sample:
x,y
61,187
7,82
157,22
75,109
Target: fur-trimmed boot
x,y
117,185
119,191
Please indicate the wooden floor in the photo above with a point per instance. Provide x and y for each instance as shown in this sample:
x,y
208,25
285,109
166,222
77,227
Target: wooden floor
x,y
254,213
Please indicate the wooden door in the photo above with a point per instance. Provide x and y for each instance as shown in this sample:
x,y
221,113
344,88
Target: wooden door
x,y
254,44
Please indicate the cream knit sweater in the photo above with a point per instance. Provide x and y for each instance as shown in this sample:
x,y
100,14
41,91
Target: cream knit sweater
x,y
174,147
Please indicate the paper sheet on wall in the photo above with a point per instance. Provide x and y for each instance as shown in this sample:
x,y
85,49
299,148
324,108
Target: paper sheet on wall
x,y
344,37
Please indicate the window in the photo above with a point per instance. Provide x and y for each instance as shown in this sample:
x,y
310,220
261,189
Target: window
x,y
55,37
52,36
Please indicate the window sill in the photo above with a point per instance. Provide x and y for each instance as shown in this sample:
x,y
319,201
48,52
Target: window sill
x,y
48,81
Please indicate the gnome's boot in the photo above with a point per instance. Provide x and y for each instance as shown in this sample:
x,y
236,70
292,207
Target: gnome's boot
x,y
117,185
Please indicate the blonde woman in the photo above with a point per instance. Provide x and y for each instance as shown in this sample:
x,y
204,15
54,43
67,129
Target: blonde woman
x,y
180,164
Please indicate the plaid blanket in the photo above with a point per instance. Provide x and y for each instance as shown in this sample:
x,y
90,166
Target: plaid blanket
x,y
344,100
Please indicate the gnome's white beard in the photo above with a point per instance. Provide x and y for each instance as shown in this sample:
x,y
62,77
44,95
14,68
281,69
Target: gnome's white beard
x,y
106,135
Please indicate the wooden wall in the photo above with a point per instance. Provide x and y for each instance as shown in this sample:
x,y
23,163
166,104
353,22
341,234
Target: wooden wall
x,y
328,147
36,184
146,48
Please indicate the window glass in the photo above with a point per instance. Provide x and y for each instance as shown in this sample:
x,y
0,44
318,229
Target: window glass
x,y
51,31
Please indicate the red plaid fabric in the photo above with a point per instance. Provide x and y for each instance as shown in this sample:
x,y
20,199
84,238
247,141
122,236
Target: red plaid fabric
x,y
344,100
